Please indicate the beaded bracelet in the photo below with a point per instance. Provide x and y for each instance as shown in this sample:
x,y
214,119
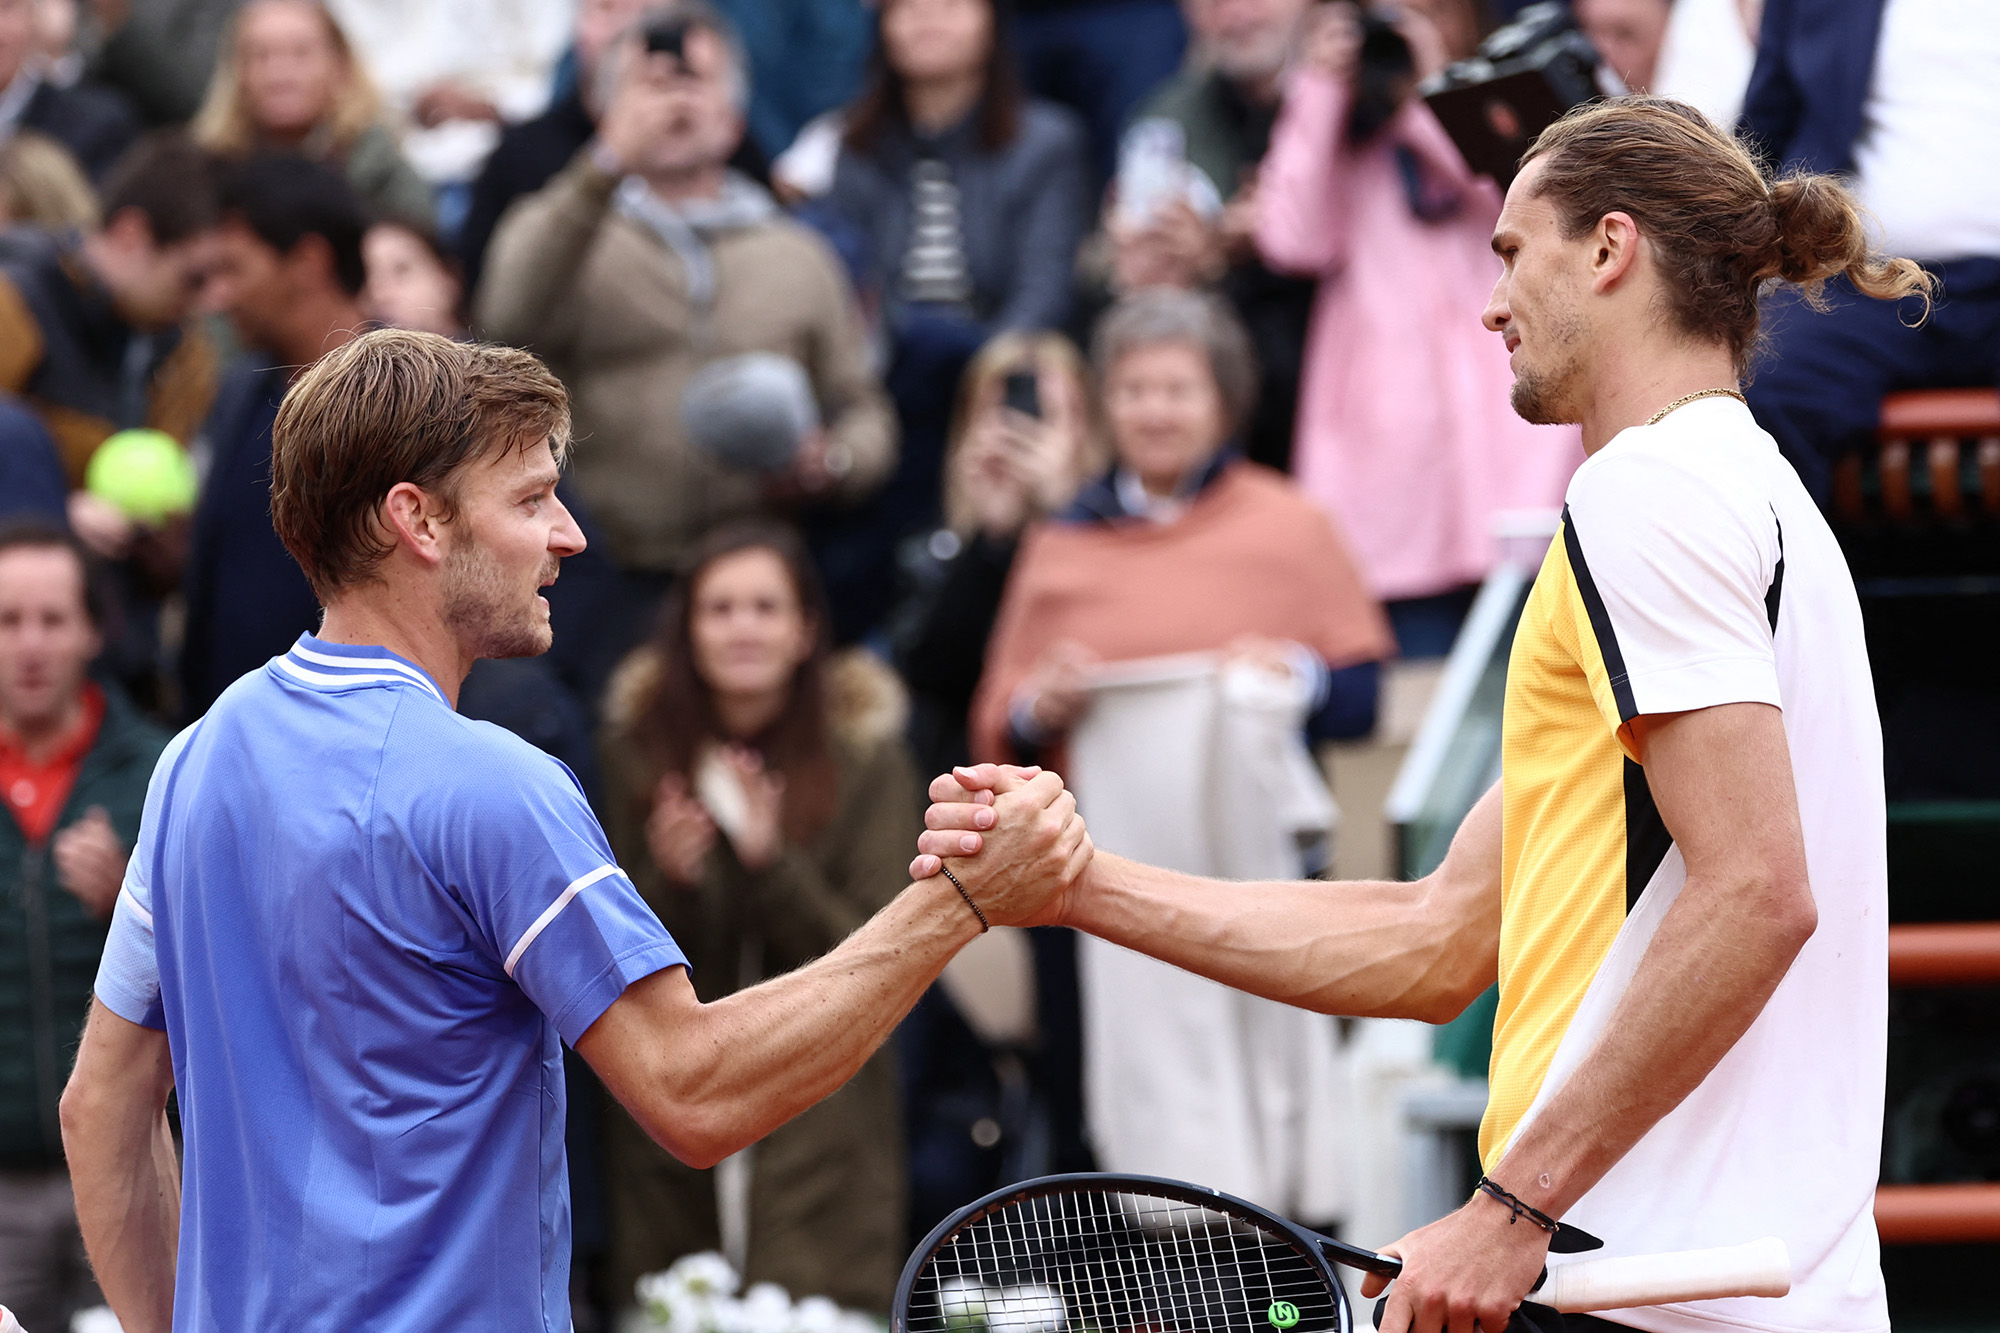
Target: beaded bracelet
x,y
984,924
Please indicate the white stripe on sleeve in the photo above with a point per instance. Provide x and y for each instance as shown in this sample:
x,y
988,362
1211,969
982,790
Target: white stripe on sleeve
x,y
554,910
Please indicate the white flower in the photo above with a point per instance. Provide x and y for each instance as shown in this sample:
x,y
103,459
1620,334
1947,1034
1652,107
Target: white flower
x,y
705,1274
815,1314
1026,1309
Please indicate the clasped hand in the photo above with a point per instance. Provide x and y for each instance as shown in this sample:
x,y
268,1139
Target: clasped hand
x,y
1022,825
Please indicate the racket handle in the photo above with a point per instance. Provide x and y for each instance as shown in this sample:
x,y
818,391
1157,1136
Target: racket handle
x,y
1760,1268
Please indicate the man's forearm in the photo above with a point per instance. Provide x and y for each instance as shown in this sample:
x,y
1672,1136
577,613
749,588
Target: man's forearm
x,y
1662,1040
1722,780
123,1169
736,1069
1361,948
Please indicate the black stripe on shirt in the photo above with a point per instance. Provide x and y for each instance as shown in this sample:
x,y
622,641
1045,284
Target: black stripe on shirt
x,y
1646,836
1777,588
1600,622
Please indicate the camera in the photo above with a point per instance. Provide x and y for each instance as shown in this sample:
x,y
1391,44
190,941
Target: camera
x,y
1521,81
1383,68
668,37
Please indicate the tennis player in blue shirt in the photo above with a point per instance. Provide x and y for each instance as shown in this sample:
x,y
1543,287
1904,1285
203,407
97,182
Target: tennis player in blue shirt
x,y
357,927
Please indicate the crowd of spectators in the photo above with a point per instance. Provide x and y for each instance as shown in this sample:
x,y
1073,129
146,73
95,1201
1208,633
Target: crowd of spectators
x,y
818,276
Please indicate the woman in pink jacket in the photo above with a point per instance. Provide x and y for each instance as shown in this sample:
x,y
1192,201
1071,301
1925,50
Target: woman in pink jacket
x,y
1405,433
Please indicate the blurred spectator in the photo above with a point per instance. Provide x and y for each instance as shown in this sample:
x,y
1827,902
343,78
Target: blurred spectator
x,y
1627,34
91,323
1017,455
971,200
74,762
806,57
290,275
1706,55
971,195
1225,106
1024,438
31,472
648,260
288,81
1183,547
1405,434
454,71
40,186
1906,97
1186,548
1100,57
413,282
761,794
533,151
95,124
161,53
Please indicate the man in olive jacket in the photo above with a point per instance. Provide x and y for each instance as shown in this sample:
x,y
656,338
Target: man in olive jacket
x,y
646,259
74,762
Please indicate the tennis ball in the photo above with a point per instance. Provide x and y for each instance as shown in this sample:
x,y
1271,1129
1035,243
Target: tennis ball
x,y
145,473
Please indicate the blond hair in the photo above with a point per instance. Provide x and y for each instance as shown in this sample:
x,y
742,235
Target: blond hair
x,y
41,184
1002,355
393,406
1720,232
224,124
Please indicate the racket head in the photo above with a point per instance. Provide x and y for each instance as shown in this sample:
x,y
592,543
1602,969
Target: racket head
x,y
1100,1253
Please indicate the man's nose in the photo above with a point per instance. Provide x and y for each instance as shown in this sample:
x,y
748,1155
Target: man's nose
x,y
566,538
1497,314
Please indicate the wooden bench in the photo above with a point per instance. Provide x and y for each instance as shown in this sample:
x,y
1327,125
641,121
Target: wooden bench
x,y
1941,955
1937,455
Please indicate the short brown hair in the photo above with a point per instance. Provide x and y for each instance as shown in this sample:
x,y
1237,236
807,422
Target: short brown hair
x,y
392,406
1720,230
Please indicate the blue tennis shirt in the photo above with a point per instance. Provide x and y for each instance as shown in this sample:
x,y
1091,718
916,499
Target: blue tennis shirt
x,y
367,924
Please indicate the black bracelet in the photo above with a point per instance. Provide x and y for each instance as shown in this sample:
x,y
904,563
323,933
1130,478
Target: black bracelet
x,y
1494,1190
984,924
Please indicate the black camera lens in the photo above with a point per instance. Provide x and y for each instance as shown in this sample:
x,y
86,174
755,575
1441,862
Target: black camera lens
x,y
668,37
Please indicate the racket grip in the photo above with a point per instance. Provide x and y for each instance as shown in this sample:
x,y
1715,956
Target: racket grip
x,y
1760,1268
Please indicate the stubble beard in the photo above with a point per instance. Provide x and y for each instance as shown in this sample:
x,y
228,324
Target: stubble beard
x,y
482,605
1548,396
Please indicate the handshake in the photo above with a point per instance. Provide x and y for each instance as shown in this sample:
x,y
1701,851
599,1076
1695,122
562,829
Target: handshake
x,y
1012,840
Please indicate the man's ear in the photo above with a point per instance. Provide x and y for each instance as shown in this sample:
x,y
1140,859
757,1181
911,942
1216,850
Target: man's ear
x,y
1614,251
415,521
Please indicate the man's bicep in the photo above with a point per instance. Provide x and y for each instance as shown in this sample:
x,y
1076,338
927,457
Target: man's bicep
x,y
123,1057
630,1043
1722,780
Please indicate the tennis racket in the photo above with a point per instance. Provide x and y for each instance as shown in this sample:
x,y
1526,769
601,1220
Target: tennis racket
x,y
1094,1253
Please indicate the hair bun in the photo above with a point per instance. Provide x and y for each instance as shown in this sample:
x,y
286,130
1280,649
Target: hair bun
x,y
1820,232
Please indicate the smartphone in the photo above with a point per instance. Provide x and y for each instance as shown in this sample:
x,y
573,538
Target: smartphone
x,y
1021,392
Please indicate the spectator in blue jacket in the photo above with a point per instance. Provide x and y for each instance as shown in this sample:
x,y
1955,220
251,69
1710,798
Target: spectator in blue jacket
x,y
1904,95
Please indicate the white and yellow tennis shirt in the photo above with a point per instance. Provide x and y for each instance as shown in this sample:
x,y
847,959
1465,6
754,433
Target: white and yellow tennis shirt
x,y
1693,570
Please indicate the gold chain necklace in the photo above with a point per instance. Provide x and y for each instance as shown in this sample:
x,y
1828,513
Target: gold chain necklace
x,y
1685,399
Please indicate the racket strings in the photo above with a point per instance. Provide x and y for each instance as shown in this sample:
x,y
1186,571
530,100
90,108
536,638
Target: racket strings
x,y
1083,1261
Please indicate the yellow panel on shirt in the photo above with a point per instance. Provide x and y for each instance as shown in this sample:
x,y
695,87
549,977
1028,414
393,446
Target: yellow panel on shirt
x,y
1579,824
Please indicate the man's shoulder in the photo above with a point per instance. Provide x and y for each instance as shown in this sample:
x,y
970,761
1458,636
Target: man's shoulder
x,y
1708,465
429,749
